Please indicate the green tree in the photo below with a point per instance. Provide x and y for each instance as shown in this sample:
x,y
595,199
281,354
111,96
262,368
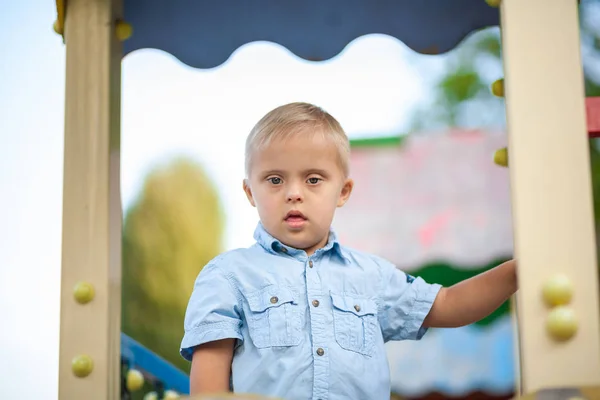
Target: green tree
x,y
461,96
174,228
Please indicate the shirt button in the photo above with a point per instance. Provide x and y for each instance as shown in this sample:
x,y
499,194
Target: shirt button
x,y
315,303
357,308
274,299
320,351
310,263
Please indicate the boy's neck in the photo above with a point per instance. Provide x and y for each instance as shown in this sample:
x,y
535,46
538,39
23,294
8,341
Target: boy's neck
x,y
321,244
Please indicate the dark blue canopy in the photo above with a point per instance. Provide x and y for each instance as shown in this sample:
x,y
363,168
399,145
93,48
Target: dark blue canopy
x,y
204,33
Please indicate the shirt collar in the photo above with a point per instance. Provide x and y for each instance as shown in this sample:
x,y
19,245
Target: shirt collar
x,y
274,246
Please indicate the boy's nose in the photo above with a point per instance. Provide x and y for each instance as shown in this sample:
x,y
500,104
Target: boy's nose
x,y
294,197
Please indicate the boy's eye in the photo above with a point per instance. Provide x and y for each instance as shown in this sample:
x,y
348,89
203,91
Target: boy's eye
x,y
275,180
314,181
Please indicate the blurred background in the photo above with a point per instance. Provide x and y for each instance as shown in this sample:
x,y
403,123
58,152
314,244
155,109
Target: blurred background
x,y
428,197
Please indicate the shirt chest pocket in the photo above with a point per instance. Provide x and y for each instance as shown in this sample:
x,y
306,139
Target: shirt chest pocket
x,y
273,317
355,322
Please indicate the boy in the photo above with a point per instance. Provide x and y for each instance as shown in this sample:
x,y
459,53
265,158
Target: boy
x,y
298,315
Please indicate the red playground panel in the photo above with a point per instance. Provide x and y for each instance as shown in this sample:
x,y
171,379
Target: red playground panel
x,y
592,107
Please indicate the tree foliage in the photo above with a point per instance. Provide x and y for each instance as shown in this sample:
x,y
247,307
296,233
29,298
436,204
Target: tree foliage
x,y
174,228
461,95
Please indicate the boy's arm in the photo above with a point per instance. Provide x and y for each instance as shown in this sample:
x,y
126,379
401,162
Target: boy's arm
x,y
212,324
211,367
473,299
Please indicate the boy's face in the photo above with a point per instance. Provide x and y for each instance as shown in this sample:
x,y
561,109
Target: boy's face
x,y
296,185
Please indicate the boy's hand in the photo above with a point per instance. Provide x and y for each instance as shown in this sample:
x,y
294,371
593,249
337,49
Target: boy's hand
x,y
473,299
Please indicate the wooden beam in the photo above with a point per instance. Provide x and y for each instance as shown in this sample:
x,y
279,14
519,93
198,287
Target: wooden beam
x,y
91,245
550,188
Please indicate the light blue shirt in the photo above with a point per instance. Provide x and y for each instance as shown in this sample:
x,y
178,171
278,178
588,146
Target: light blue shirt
x,y
307,327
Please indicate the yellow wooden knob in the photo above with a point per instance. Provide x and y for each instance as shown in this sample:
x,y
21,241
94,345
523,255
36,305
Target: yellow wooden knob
x,y
493,3
171,395
123,30
558,290
498,88
84,292
82,366
501,157
57,28
561,323
151,396
135,380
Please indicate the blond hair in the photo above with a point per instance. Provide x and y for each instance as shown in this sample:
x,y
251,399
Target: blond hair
x,y
294,118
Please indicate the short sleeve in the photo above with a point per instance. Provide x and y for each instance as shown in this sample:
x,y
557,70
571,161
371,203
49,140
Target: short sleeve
x,y
404,303
213,311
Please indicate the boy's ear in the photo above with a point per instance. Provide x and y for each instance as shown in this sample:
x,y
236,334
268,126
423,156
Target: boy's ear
x,y
248,192
345,192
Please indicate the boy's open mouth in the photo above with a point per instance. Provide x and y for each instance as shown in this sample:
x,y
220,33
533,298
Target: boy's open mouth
x,y
295,219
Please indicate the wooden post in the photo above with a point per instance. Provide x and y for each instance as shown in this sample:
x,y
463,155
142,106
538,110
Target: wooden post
x,y
91,251
551,187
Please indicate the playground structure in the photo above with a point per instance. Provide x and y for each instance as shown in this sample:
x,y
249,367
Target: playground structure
x,y
548,127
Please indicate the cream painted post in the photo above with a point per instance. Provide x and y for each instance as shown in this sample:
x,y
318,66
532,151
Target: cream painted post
x,y
91,248
551,187
516,349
